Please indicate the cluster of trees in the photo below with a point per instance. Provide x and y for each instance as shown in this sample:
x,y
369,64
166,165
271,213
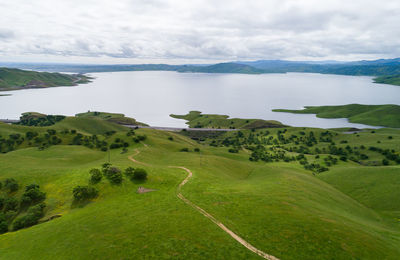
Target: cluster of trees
x,y
112,174
42,120
390,155
11,143
30,205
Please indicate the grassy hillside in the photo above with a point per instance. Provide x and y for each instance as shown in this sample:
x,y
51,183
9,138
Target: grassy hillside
x,y
392,80
222,68
378,115
198,120
111,117
12,79
347,212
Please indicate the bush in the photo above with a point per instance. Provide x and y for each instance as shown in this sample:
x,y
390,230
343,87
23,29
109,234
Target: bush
x,y
82,193
385,162
95,176
11,185
32,195
185,149
114,175
197,149
170,138
10,204
1,203
129,172
233,150
140,174
31,218
3,227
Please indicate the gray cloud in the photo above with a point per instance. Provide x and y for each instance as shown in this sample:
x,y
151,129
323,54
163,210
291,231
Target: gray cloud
x,y
199,30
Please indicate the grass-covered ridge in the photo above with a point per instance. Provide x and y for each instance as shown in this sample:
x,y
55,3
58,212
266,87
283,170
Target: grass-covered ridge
x,y
377,115
392,80
13,79
111,117
196,119
348,212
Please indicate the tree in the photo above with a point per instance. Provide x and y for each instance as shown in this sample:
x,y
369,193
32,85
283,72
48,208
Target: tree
x,y
32,195
82,193
114,175
10,204
95,176
129,172
140,174
31,218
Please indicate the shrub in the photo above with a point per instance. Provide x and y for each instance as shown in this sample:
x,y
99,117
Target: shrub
x,y
129,172
95,176
170,138
3,227
233,150
185,149
114,175
10,204
32,217
32,195
11,185
82,193
385,162
197,149
140,174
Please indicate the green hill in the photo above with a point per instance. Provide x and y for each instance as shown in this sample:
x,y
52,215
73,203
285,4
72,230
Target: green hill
x,y
377,115
281,207
198,120
13,79
392,80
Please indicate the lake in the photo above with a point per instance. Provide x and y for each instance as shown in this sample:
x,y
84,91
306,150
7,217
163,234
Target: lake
x,y
150,96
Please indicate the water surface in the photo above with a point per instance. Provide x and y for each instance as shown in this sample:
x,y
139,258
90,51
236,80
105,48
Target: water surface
x,y
150,96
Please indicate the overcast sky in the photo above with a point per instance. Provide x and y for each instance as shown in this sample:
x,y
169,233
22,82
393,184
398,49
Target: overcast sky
x,y
195,31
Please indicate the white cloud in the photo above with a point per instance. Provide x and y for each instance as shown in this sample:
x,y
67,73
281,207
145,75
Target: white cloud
x,y
197,31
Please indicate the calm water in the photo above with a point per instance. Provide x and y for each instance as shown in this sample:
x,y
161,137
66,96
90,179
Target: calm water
x,y
151,96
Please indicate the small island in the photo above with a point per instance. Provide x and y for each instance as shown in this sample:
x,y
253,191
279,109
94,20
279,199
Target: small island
x,y
16,79
195,119
376,115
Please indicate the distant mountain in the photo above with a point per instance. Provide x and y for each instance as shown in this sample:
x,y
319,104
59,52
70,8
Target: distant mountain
x,y
381,67
222,68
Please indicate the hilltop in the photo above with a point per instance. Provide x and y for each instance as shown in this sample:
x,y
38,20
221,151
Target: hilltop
x,y
14,79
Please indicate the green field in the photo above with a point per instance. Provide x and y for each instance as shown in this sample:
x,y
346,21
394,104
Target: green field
x,y
13,79
350,211
377,115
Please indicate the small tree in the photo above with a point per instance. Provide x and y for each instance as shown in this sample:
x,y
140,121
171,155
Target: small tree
x,y
114,175
82,193
129,172
32,195
140,174
95,176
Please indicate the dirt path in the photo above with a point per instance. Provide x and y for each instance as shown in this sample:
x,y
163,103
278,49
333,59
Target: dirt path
x,y
208,215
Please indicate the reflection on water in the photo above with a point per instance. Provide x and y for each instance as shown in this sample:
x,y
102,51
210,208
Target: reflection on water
x,y
151,96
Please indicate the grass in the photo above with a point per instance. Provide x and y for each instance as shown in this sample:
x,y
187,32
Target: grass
x,y
377,115
12,79
349,212
392,80
198,120
111,117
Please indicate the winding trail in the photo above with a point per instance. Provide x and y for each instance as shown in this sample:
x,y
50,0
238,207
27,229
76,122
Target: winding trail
x,y
206,214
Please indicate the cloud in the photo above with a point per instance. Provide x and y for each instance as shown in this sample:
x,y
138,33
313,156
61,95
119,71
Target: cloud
x,y
201,30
